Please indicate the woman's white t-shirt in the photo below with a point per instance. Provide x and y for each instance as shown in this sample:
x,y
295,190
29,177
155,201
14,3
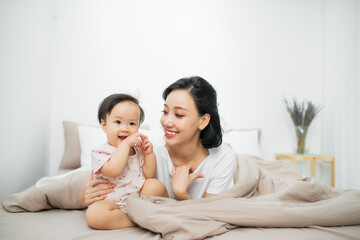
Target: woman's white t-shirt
x,y
217,168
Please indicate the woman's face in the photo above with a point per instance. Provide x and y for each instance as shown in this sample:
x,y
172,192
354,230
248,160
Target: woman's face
x,y
180,118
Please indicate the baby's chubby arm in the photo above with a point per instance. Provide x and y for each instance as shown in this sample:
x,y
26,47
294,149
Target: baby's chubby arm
x,y
149,167
117,163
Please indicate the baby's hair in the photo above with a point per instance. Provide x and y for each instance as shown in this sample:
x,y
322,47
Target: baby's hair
x,y
107,105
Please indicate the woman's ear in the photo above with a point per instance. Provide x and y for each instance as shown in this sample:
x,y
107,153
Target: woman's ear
x,y
205,119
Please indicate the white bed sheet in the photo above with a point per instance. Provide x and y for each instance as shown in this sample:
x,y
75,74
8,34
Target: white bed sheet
x,y
71,224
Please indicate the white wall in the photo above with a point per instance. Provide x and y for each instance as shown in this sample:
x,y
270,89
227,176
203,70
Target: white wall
x,y
253,52
341,133
25,41
357,126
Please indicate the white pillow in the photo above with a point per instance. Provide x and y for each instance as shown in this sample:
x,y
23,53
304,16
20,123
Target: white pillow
x,y
241,141
244,141
91,137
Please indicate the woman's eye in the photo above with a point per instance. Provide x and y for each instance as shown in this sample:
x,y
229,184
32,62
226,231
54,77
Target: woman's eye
x,y
179,115
117,122
164,112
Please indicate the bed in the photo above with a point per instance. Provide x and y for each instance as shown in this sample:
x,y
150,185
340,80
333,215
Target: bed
x,y
270,200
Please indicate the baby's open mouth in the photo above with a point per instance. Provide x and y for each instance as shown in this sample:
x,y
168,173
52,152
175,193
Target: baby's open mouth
x,y
122,137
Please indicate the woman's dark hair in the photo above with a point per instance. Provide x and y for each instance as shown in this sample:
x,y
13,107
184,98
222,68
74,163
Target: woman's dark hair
x,y
205,99
107,105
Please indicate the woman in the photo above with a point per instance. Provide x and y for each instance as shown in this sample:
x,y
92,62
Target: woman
x,y
193,163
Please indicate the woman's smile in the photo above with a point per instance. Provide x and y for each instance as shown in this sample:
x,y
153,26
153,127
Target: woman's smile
x,y
170,134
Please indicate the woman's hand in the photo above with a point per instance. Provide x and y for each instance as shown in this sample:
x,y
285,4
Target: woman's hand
x,y
95,190
181,180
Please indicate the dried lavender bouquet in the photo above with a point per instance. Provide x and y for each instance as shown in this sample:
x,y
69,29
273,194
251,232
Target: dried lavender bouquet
x,y
302,114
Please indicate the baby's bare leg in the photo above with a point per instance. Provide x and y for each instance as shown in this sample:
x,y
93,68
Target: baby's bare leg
x,y
106,215
154,187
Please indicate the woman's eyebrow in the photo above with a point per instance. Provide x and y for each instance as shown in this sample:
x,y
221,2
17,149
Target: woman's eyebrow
x,y
182,108
178,107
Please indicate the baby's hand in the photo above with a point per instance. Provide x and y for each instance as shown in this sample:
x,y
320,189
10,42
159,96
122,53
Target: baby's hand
x,y
146,146
134,139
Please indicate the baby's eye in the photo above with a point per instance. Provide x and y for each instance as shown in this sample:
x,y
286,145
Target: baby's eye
x,y
132,124
117,122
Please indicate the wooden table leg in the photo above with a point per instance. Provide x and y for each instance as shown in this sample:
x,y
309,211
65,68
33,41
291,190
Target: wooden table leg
x,y
313,166
333,172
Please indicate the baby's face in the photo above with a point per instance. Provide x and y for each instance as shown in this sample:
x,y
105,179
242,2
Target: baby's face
x,y
122,121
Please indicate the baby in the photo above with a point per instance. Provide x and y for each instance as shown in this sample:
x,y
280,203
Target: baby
x,y
126,160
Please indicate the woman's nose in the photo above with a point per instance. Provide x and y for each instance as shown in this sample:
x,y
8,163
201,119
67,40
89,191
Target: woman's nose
x,y
167,121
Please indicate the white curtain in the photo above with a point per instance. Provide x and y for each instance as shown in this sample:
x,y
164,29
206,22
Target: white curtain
x,y
341,131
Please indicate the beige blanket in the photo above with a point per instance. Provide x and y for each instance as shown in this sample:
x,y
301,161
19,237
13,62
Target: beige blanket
x,y
266,194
